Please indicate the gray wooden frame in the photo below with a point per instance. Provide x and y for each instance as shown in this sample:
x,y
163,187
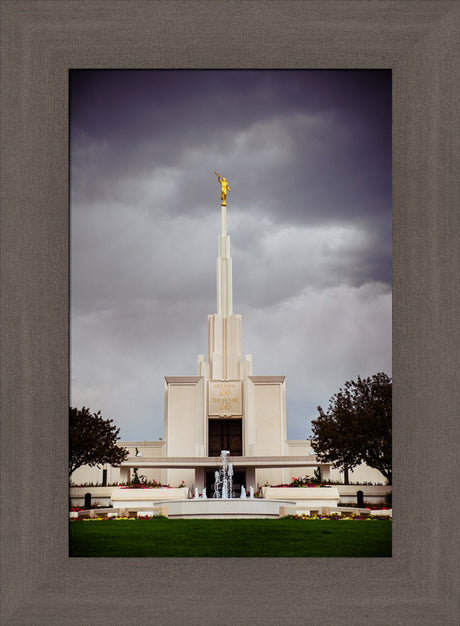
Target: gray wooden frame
x,y
41,40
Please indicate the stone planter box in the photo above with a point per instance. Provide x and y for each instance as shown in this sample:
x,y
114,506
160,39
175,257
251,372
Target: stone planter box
x,y
122,498
311,496
95,491
374,494
99,495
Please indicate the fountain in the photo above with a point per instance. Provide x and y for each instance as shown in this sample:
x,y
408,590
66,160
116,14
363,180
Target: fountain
x,y
223,486
223,503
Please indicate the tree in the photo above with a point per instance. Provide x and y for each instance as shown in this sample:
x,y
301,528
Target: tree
x,y
357,426
92,440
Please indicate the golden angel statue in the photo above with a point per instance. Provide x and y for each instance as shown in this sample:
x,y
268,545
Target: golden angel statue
x,y
224,187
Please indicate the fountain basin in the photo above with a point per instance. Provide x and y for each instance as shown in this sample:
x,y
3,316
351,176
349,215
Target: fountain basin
x,y
235,508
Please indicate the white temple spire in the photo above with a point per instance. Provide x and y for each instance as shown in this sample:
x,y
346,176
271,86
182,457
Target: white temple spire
x,y
224,327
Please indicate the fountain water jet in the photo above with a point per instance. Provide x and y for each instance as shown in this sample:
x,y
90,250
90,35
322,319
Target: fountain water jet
x,y
230,480
223,486
216,484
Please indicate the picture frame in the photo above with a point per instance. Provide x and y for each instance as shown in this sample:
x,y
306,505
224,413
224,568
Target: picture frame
x,y
41,41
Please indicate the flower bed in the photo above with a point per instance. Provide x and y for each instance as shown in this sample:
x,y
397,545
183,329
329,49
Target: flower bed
x,y
301,482
344,517
114,518
142,486
143,483
293,486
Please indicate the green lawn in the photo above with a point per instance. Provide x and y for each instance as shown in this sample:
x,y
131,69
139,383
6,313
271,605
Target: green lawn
x,y
230,538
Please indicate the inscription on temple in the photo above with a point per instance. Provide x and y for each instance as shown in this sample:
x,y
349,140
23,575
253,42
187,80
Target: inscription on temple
x,y
225,397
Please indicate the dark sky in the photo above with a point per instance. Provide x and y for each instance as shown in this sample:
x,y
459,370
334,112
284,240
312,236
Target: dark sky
x,y
307,154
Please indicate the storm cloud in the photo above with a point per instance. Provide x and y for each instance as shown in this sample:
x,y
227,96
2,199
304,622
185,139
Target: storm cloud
x,y
308,158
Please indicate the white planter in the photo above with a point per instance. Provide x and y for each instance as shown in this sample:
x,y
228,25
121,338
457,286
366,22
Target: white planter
x,y
143,497
311,496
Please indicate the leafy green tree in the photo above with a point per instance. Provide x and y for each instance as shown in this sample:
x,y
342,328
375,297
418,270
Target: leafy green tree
x,y
357,426
92,440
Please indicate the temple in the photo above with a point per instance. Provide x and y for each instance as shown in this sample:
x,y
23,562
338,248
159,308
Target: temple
x,y
223,407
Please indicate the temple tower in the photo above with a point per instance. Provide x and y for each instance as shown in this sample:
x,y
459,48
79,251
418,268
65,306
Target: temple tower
x,y
225,407
224,327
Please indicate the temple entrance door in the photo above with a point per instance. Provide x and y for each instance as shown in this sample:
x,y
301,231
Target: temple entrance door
x,y
225,434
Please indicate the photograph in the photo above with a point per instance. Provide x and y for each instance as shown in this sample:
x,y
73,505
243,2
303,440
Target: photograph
x,y
230,312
